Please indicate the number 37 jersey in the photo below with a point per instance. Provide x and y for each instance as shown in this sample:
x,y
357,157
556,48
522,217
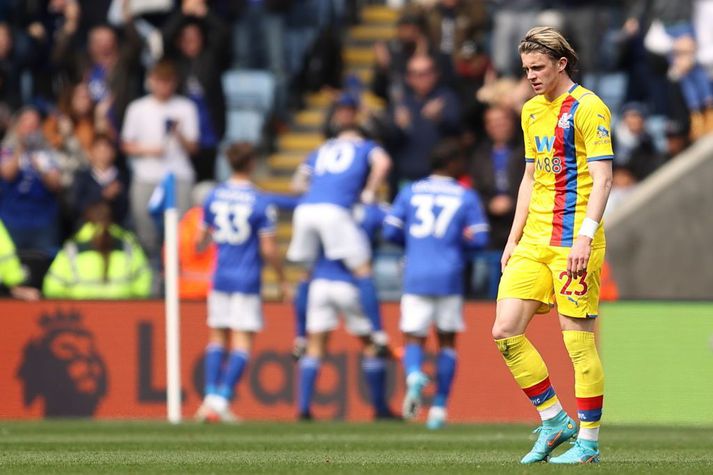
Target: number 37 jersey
x,y
429,217
237,214
561,138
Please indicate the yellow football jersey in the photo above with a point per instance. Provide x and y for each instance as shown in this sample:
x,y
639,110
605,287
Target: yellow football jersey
x,y
561,137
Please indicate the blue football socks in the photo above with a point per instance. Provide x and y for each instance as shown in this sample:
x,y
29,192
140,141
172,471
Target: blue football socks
x,y
237,360
300,305
445,371
309,370
212,367
413,358
375,375
369,301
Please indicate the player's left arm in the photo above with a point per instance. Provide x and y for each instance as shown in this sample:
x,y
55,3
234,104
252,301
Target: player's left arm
x,y
269,248
477,230
595,126
271,254
380,167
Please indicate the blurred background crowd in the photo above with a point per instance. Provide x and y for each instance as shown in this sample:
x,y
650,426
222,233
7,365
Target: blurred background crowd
x,y
100,98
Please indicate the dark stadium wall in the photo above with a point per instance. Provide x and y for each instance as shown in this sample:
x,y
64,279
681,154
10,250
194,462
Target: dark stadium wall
x,y
107,360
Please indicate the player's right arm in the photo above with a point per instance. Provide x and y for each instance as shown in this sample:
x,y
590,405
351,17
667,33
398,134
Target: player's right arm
x,y
380,167
521,209
301,177
395,222
204,235
525,191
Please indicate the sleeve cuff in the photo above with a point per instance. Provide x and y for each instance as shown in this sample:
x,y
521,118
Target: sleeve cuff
x,y
600,157
394,221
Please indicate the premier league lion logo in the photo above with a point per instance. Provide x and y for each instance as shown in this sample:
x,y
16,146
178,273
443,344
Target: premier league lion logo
x,y
63,367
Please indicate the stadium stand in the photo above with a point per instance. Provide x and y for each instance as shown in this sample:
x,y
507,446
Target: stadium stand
x,y
284,115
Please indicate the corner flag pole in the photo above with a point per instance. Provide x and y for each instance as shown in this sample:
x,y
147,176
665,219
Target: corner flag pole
x,y
173,318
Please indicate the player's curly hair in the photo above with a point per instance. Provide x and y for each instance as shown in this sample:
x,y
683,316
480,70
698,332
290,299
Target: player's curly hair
x,y
548,41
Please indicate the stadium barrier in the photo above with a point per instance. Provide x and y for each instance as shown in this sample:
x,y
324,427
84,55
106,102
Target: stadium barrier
x,y
107,360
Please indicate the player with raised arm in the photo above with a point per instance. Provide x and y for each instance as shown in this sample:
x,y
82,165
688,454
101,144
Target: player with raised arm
x,y
556,245
332,291
241,221
437,220
333,178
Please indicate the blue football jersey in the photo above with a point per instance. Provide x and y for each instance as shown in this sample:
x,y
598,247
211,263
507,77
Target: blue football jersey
x,y
237,214
429,218
338,171
370,219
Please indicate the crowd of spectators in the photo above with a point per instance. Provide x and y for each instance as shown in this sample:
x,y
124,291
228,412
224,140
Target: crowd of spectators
x,y
100,98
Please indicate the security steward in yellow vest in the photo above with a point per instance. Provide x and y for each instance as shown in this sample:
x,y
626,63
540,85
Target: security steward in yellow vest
x,y
101,261
12,274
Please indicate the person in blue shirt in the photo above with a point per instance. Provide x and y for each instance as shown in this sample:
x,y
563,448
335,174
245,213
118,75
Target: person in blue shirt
x,y
332,291
438,221
241,221
30,183
342,172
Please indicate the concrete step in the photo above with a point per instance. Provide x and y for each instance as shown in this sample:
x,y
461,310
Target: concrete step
x,y
358,56
299,141
323,99
365,73
275,184
379,14
310,117
285,161
372,32
292,273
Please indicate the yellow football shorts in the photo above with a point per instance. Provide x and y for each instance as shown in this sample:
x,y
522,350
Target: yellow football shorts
x,y
540,273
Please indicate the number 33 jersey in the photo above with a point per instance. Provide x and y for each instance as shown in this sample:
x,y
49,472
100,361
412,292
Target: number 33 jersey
x,y
237,214
561,138
429,217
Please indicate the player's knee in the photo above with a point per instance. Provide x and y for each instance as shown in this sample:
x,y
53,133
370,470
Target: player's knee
x,y
504,330
446,340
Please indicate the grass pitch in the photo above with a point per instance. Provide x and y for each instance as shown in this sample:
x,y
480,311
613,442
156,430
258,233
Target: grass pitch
x,y
324,447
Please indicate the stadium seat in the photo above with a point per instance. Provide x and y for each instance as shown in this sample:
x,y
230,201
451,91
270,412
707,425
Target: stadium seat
x,y
244,125
610,87
249,89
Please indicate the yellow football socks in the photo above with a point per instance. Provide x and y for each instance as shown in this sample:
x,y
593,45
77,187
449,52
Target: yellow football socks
x,y
588,381
530,372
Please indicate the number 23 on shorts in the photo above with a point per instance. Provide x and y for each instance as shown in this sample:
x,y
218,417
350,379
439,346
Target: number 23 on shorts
x,y
570,285
578,296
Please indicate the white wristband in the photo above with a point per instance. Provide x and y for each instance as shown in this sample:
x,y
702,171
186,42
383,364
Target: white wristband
x,y
589,227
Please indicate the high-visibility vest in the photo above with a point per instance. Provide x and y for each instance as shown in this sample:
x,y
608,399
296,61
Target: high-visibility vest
x,y
77,271
11,271
195,268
